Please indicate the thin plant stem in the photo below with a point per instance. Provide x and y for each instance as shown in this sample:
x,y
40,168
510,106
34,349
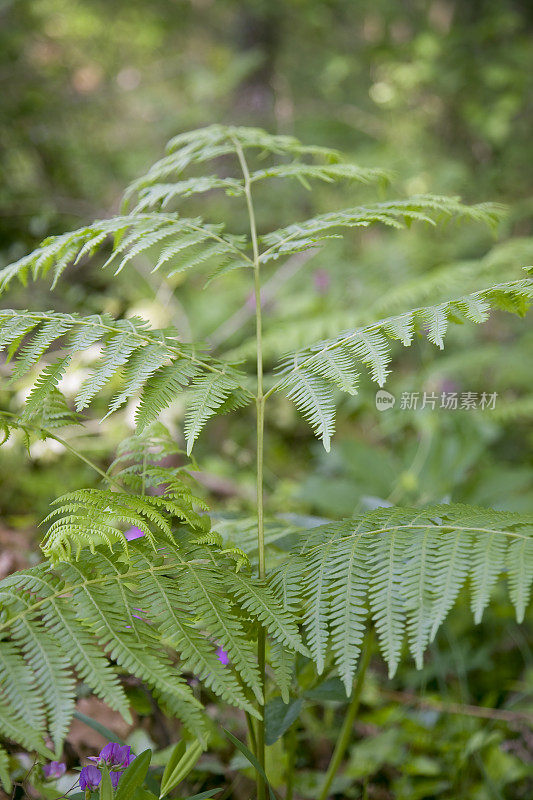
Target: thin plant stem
x,y
346,731
260,404
67,446
251,733
292,741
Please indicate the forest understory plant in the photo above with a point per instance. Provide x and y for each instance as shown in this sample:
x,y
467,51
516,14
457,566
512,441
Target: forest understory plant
x,y
159,606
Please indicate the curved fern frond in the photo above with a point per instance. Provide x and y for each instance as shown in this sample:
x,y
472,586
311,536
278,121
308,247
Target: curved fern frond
x,y
500,262
45,401
153,364
91,517
213,136
329,173
311,375
181,602
133,235
395,213
162,194
216,142
49,666
206,396
313,396
402,568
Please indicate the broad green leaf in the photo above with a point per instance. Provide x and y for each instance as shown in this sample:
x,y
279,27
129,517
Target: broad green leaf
x,y
185,764
133,776
279,716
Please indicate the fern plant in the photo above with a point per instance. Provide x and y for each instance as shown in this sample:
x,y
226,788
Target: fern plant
x,y
158,606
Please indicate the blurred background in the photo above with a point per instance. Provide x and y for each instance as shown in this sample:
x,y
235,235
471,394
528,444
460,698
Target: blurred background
x,y
439,92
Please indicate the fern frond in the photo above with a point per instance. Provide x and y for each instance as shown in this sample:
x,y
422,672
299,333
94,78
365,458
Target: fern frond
x,y
16,686
110,616
141,366
133,235
207,394
49,668
162,194
161,389
396,214
337,360
48,332
329,173
152,363
44,400
336,367
347,606
314,398
85,657
201,141
216,142
89,609
258,600
407,566
5,777
90,517
283,661
16,728
178,631
118,350
214,613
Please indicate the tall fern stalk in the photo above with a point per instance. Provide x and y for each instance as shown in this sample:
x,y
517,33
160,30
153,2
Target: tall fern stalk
x,y
260,431
396,571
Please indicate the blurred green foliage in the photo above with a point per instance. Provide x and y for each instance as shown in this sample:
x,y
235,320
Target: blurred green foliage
x,y
442,93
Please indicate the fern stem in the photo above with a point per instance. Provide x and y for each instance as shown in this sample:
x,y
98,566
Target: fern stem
x,y
291,744
260,403
67,446
346,731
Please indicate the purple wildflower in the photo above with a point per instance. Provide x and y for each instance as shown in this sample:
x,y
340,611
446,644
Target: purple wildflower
x,y
53,770
114,755
90,778
134,533
223,656
115,777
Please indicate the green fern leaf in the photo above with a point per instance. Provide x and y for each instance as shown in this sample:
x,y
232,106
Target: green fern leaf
x,y
140,367
161,388
117,352
370,345
283,660
31,353
5,777
44,387
314,398
207,394
15,728
17,687
408,565
51,671
164,193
